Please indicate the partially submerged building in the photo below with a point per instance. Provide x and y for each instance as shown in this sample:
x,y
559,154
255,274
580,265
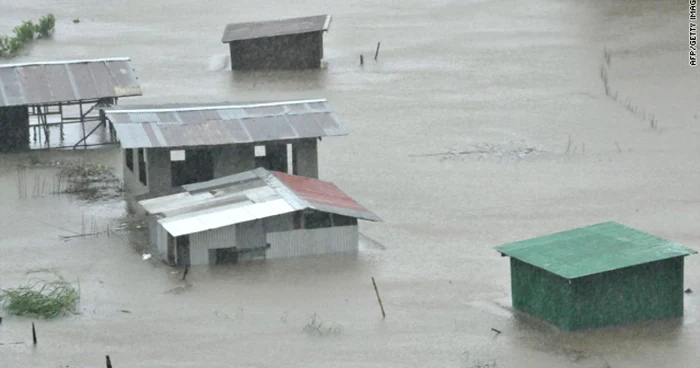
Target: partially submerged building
x,y
258,214
40,95
294,43
595,276
167,146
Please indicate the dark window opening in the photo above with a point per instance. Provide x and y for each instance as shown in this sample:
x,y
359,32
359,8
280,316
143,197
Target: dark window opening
x,y
317,220
272,157
340,220
142,166
198,166
296,219
223,255
129,158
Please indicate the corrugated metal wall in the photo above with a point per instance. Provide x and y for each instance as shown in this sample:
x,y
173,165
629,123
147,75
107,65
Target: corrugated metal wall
x,y
157,236
304,242
200,243
250,234
632,294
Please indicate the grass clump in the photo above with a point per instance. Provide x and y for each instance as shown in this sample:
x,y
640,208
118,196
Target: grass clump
x,y
26,33
319,327
45,298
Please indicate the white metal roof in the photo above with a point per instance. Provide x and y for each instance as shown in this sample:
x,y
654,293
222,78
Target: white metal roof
x,y
209,205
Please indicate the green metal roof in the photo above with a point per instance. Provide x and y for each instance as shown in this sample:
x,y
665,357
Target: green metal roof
x,y
593,249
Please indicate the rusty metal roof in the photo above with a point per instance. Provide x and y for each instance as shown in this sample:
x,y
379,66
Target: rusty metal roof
x,y
593,249
245,197
66,81
324,196
272,28
225,123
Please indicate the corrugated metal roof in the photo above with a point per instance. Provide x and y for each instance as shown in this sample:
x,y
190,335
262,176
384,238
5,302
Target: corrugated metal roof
x,y
593,249
248,196
64,81
271,28
324,196
209,125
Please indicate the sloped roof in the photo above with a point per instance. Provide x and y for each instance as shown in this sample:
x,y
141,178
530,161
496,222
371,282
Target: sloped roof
x,y
271,28
184,125
66,81
593,249
248,196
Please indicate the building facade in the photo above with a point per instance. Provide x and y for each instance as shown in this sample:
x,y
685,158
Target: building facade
x,y
601,275
166,146
295,43
253,215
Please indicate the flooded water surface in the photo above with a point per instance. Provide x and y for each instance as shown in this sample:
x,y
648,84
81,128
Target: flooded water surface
x,y
481,123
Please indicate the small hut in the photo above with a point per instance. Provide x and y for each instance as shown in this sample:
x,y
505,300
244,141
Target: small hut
x,y
254,215
294,43
595,276
41,97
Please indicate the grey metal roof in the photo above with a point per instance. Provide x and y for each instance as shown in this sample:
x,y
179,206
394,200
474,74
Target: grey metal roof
x,y
66,81
225,123
271,28
245,197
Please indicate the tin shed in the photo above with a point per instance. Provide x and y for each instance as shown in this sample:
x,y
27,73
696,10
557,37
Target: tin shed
x,y
254,215
294,43
595,276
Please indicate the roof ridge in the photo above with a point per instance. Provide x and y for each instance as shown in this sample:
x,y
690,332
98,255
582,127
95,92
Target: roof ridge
x,y
77,61
218,107
281,188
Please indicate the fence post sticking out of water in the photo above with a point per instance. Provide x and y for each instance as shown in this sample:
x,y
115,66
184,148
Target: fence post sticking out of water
x,y
378,298
33,334
376,53
184,274
362,60
108,361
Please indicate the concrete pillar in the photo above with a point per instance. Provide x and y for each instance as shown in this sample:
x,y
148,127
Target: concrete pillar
x,y
234,159
158,171
305,158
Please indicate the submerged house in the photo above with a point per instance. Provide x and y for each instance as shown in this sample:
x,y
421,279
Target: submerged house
x,y
595,276
167,146
46,96
255,215
294,43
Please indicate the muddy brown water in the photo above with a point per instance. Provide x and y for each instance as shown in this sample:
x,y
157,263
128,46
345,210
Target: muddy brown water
x,y
451,76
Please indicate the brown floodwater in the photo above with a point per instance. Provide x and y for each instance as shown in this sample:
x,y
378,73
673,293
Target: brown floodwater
x,y
517,81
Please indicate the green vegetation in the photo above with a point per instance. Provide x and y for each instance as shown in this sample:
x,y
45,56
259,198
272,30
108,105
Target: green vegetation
x,y
43,298
26,33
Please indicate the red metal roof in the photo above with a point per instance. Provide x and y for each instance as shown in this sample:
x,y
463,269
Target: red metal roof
x,y
324,196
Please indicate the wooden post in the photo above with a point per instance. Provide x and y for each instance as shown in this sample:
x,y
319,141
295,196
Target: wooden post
x,y
378,298
33,333
109,362
362,60
184,274
376,53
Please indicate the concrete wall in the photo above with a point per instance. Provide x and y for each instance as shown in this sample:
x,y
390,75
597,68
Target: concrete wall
x,y
14,128
299,51
305,157
234,159
306,242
